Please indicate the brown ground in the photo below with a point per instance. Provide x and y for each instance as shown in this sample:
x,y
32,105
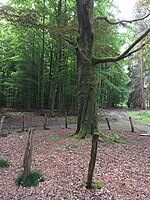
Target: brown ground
x,y
124,168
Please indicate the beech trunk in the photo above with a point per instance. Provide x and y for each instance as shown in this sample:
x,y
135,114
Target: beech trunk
x,y
87,112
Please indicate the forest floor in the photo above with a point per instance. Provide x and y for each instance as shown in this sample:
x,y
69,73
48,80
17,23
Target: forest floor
x,y
123,167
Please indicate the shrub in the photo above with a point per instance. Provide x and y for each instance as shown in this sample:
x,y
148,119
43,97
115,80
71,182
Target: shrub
x,y
32,179
4,163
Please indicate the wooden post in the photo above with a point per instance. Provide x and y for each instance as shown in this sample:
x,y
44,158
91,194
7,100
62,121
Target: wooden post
x,y
132,127
45,122
22,124
92,160
27,157
108,123
2,121
66,122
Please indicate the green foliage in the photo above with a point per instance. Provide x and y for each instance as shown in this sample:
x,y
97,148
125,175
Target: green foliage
x,y
54,137
98,184
20,57
4,163
140,115
32,180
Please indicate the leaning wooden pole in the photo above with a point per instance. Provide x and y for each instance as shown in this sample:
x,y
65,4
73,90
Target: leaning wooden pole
x,y
108,124
66,121
92,160
132,127
27,157
22,130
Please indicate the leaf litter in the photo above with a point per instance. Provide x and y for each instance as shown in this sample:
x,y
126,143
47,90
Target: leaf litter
x,y
125,169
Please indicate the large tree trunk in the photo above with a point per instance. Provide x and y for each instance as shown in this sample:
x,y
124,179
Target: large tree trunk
x,y
87,116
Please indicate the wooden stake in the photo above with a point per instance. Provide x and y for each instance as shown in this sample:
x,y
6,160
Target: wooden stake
x,y
2,121
45,122
22,123
132,127
108,123
27,157
66,121
92,161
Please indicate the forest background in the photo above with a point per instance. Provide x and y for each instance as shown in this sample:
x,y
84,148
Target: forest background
x,y
38,62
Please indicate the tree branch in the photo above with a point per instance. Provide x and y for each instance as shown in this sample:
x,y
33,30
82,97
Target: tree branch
x,y
122,22
125,54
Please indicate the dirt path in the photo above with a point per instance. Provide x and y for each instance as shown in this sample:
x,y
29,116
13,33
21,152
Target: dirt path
x,y
119,121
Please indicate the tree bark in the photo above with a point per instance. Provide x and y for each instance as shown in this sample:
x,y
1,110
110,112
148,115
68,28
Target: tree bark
x,y
87,113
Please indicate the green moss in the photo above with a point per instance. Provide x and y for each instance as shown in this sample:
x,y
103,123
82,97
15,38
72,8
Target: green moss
x,y
4,163
80,135
32,179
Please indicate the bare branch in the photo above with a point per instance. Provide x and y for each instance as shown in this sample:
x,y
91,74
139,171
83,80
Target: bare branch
x,y
122,22
125,54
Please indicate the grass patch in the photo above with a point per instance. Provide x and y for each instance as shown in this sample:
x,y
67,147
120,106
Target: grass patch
x,y
116,138
142,115
4,163
54,137
98,185
75,146
111,137
32,180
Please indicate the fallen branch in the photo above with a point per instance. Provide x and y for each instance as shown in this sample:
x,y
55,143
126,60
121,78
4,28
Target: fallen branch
x,y
145,134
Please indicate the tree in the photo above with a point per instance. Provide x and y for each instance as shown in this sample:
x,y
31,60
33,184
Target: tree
x,y
139,69
87,116
26,16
